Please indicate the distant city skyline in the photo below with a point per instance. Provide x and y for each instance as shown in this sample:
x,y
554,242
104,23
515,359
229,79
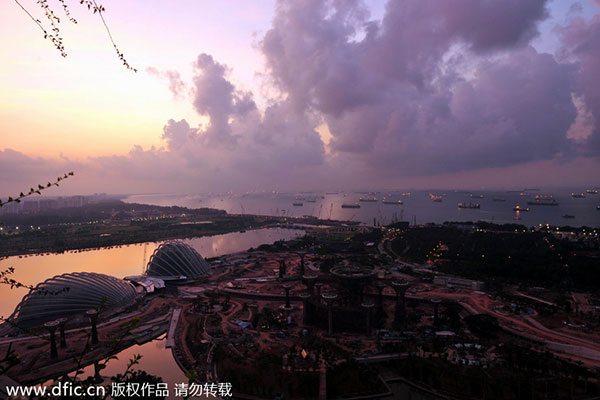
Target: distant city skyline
x,y
303,95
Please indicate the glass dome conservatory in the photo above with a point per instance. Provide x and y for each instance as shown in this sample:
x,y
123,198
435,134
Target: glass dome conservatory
x,y
50,300
173,259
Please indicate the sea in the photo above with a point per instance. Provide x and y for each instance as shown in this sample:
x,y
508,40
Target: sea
x,y
417,208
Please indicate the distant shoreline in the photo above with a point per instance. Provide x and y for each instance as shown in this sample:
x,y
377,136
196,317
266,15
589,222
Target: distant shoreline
x,y
129,224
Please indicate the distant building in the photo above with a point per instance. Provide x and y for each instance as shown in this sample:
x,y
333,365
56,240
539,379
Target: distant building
x,y
34,205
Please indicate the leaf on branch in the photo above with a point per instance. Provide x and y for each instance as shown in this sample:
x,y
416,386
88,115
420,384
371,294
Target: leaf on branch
x,y
22,195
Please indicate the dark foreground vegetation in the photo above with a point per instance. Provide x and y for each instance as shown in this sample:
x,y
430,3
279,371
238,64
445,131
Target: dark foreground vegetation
x,y
500,254
522,374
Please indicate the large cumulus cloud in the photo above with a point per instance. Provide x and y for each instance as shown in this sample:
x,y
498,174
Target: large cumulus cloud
x,y
238,147
312,47
437,87
238,136
434,86
581,46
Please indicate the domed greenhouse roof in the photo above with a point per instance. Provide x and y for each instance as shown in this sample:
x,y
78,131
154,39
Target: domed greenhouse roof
x,y
69,294
177,259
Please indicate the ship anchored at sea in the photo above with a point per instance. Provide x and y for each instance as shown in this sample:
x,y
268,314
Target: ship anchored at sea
x,y
368,199
436,198
468,205
543,200
389,201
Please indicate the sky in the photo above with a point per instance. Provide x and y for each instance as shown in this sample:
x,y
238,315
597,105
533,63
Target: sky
x,y
302,94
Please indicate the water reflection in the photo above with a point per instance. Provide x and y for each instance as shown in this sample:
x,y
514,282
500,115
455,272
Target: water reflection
x,y
156,360
121,261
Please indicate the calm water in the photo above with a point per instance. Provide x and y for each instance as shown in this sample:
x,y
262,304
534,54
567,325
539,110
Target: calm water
x,y
156,360
121,261
418,205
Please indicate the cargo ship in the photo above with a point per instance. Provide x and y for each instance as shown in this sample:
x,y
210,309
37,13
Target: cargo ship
x,y
570,216
543,202
298,204
519,208
498,199
468,205
578,195
592,191
350,205
476,196
397,202
368,199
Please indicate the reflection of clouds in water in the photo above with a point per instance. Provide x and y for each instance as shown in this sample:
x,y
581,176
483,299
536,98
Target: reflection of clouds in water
x,y
214,246
118,261
156,360
121,261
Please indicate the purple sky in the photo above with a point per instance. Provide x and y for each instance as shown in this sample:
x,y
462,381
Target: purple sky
x,y
337,94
